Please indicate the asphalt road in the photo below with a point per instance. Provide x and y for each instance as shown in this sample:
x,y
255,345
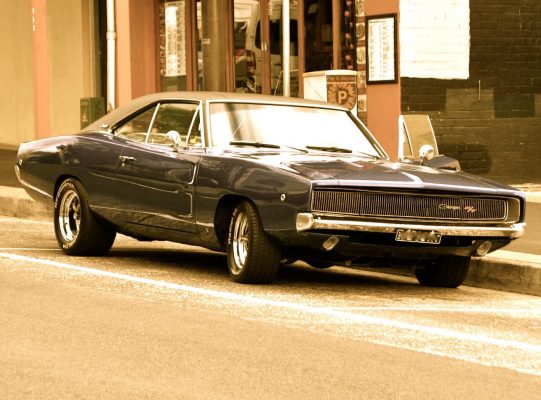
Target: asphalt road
x,y
159,320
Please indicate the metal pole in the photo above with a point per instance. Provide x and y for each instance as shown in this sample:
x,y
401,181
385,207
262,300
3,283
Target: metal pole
x,y
213,14
336,56
111,56
285,47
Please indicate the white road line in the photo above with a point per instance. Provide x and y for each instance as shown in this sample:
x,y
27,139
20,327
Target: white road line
x,y
474,310
25,221
29,249
251,300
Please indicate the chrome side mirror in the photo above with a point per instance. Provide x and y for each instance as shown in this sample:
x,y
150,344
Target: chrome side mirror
x,y
426,153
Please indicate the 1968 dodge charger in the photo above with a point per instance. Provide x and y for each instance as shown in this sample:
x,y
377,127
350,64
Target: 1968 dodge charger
x,y
265,179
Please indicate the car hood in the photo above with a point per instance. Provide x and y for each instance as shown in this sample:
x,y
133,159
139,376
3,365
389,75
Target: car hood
x,y
356,171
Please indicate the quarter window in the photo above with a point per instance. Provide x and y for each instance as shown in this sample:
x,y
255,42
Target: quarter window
x,y
137,127
172,119
164,124
194,139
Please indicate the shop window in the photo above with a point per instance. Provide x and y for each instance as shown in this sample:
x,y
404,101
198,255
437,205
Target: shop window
x,y
319,30
318,26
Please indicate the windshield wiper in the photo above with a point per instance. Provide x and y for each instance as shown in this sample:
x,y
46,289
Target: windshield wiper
x,y
370,155
265,145
330,148
342,150
254,144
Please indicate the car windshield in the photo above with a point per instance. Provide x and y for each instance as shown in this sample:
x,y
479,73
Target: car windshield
x,y
312,128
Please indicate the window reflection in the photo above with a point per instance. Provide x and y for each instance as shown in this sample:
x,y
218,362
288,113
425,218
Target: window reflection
x,y
276,47
248,46
247,54
277,78
318,22
319,35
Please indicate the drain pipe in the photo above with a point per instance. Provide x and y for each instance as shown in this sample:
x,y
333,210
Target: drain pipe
x,y
111,56
285,47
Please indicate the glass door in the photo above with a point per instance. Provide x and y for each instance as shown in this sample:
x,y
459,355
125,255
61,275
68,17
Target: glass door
x,y
251,46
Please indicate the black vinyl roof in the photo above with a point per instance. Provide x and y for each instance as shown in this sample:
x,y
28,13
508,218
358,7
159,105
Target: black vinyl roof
x,y
200,96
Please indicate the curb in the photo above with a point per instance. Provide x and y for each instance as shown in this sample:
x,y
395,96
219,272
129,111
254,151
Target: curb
x,y
504,270
519,276
15,202
493,272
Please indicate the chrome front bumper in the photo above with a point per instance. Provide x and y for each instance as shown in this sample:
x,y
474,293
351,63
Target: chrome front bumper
x,y
308,221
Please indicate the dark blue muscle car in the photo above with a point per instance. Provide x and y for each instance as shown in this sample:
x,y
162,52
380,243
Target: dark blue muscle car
x,y
265,179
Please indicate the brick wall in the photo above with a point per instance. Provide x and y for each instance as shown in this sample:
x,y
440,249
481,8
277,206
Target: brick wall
x,y
491,121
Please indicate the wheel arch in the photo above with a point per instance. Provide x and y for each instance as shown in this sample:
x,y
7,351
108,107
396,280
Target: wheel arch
x,y
77,229
59,182
224,210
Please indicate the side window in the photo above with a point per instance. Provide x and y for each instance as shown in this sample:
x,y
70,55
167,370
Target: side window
x,y
172,123
137,127
195,134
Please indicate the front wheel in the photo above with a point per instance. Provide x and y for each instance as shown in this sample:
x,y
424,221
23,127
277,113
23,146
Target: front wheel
x,y
78,231
447,272
252,255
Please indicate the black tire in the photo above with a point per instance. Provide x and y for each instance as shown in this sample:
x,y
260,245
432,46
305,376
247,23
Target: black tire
x,y
78,231
252,255
448,272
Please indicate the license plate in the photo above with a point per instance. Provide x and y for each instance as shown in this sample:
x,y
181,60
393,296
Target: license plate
x,y
409,235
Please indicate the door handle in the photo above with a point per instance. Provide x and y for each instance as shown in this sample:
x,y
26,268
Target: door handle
x,y
125,159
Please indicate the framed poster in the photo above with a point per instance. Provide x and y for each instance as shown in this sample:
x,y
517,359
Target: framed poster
x,y
381,55
175,39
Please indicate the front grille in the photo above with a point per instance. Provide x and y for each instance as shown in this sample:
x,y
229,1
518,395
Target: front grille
x,y
410,206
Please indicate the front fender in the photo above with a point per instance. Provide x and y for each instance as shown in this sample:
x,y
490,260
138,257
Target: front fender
x,y
277,193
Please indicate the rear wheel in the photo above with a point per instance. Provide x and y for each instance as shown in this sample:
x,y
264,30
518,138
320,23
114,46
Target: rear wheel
x,y
447,272
78,231
252,255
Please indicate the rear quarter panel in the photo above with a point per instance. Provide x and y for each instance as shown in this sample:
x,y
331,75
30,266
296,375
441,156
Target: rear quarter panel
x,y
91,158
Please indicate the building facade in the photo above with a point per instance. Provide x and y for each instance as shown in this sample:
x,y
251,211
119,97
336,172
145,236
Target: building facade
x,y
490,117
474,66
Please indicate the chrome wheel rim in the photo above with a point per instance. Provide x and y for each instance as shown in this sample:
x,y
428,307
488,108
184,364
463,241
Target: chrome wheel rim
x,y
69,216
240,242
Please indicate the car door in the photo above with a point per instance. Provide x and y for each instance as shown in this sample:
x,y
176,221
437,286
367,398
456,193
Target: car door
x,y
157,167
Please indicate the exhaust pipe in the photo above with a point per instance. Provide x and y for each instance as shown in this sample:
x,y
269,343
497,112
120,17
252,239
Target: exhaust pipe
x,y
483,248
330,243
